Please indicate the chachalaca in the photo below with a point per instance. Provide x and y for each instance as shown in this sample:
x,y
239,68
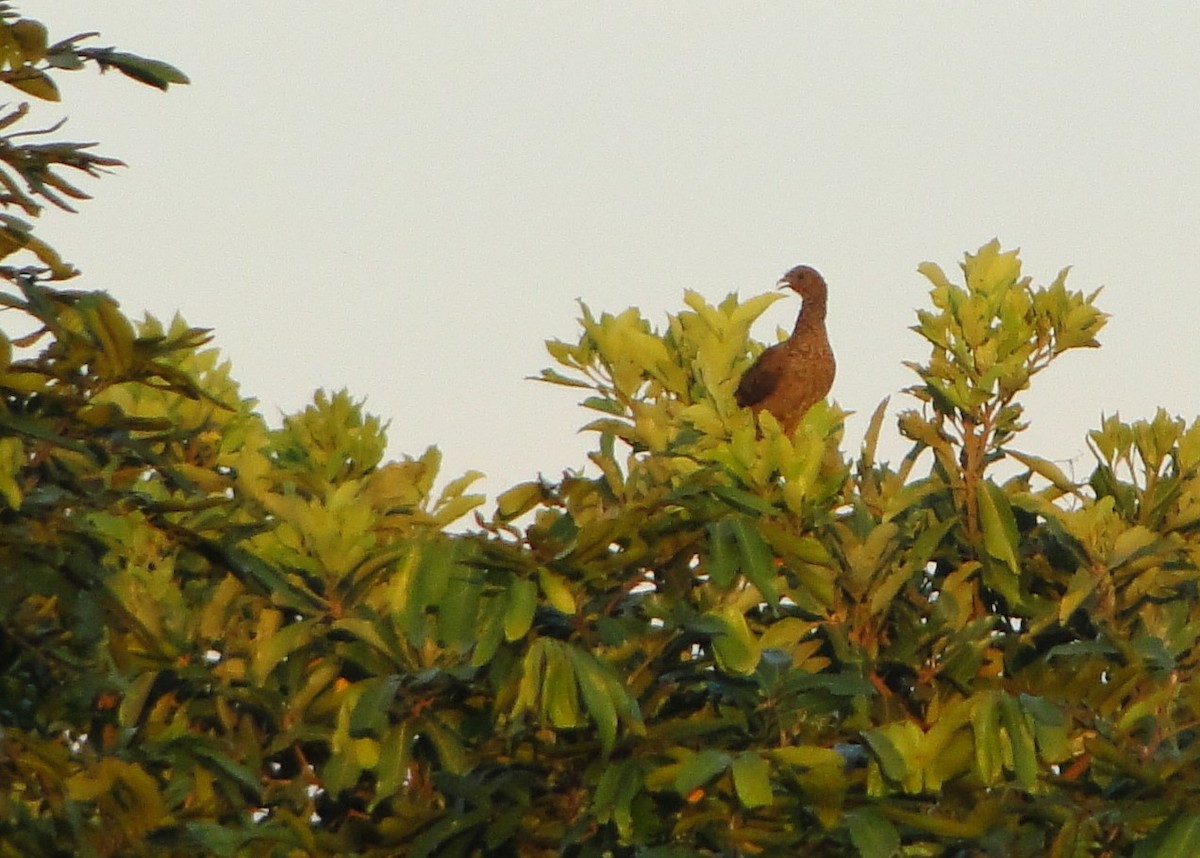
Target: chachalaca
x,y
789,377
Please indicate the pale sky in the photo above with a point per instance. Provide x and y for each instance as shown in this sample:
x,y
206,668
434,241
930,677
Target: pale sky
x,y
406,199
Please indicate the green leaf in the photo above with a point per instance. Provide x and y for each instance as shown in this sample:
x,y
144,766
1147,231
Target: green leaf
x,y
489,637
871,439
134,700
529,687
370,716
985,724
667,852
1020,737
458,611
451,753
560,689
152,72
742,500
366,630
752,780
999,525
393,771
439,838
935,275
270,651
220,762
872,833
521,604
285,590
12,460
557,591
1082,584
734,646
1050,728
807,757
34,82
30,37
722,565
758,562
595,690
11,423
700,768
608,406
1046,469
554,377
518,500
891,760
618,786
1177,837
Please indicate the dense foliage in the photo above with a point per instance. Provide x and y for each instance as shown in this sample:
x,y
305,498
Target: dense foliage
x,y
222,638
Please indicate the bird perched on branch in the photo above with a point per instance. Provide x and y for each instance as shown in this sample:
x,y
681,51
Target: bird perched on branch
x,y
789,377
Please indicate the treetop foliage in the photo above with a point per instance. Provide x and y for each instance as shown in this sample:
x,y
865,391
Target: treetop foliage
x,y
32,173
224,638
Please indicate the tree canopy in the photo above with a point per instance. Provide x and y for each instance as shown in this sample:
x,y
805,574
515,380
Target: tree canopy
x,y
221,637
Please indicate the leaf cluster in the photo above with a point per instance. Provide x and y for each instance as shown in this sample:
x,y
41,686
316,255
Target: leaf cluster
x,y
35,173
187,593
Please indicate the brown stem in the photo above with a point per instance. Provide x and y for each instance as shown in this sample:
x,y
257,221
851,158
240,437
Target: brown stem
x,y
976,436
973,437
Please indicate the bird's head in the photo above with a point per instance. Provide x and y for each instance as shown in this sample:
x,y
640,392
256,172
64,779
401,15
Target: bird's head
x,y
804,281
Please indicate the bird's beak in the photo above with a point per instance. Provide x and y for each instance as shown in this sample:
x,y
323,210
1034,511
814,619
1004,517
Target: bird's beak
x,y
783,284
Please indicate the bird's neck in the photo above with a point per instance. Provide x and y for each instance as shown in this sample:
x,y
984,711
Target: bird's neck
x,y
812,315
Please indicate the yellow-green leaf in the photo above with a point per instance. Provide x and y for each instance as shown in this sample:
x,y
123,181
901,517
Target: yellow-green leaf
x,y
522,602
560,690
999,525
752,780
518,500
31,38
595,690
735,648
34,82
557,593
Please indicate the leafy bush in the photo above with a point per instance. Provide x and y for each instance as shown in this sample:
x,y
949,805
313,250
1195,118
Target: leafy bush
x,y
221,638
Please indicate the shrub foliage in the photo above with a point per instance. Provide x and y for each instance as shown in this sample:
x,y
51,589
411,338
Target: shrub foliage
x,y
224,638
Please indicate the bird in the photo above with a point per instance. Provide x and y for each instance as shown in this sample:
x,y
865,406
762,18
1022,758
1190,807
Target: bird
x,y
788,378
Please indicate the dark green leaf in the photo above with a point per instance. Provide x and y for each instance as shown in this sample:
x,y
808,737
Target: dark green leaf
x,y
722,566
1177,837
700,768
152,72
758,562
872,833
370,715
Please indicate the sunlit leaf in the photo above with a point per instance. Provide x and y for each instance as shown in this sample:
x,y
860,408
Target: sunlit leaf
x,y
518,500
34,82
521,604
733,645
999,525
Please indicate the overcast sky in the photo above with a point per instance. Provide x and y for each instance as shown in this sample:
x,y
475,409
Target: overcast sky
x,y
406,199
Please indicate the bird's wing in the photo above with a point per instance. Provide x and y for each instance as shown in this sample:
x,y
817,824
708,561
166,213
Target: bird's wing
x,y
761,378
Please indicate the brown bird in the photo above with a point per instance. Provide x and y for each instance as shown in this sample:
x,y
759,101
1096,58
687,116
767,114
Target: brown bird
x,y
789,377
